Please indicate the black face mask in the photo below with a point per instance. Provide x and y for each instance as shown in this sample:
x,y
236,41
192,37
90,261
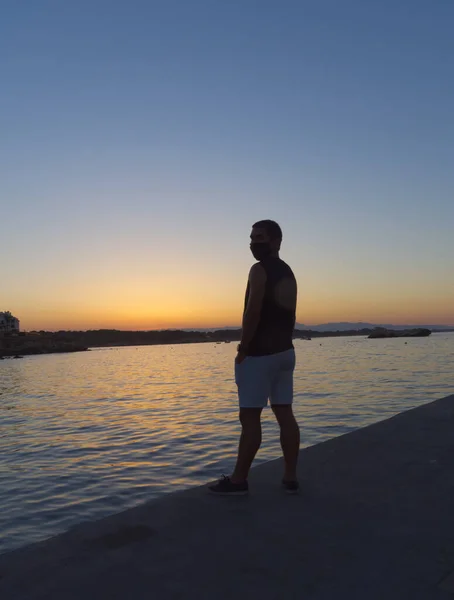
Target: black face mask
x,y
260,250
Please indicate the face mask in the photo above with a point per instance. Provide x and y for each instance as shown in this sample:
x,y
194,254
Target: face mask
x,y
260,250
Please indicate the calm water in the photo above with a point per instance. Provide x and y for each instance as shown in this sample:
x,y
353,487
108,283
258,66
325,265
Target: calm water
x,y
85,435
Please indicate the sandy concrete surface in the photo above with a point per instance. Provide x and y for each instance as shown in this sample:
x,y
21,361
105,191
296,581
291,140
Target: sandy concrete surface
x,y
375,520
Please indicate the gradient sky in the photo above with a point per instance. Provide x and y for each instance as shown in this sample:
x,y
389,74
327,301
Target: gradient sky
x,y
141,139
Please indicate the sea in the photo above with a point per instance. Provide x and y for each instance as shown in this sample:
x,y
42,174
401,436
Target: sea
x,y
89,434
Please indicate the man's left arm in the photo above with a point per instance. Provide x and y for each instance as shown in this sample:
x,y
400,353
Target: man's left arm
x,y
251,318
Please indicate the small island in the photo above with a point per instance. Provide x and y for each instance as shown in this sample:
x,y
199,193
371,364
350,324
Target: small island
x,y
381,332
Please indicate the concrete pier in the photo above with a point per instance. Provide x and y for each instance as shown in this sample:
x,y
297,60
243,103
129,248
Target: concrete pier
x,y
374,521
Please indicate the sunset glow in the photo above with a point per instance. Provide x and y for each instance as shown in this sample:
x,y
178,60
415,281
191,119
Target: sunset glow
x,y
132,172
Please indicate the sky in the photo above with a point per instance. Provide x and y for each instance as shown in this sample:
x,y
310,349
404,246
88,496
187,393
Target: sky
x,y
140,140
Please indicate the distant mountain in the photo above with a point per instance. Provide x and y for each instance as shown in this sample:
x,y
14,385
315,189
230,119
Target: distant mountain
x,y
346,326
323,327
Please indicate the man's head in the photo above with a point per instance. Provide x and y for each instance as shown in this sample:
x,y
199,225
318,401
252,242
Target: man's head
x,y
266,238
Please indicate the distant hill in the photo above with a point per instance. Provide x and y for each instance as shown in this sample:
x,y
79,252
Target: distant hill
x,y
341,326
346,326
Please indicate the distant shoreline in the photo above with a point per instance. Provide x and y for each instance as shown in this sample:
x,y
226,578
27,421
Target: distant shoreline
x,y
27,344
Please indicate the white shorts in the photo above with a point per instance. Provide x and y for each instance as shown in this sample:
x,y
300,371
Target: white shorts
x,y
260,378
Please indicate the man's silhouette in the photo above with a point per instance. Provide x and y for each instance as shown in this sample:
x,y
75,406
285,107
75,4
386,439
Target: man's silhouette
x,y
266,359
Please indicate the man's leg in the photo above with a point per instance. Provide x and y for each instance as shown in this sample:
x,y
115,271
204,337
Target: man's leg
x,y
251,376
250,440
290,439
281,403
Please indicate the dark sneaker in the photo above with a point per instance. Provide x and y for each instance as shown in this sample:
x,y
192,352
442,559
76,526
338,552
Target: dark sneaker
x,y
224,487
291,487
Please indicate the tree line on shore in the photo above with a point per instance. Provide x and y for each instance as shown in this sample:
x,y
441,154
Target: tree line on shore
x,y
115,337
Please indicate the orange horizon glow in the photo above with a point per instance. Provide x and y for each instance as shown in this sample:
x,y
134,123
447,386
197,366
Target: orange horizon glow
x,y
94,323
224,311
199,299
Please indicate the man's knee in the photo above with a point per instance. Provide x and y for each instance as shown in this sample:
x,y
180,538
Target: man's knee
x,y
284,414
250,416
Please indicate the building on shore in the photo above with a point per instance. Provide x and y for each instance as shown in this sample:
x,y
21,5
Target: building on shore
x,y
8,323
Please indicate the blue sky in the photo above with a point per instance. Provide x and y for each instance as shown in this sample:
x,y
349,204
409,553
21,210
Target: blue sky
x,y
140,140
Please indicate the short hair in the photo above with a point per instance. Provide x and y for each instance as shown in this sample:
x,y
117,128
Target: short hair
x,y
271,227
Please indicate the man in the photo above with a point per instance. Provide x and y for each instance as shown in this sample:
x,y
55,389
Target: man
x,y
266,359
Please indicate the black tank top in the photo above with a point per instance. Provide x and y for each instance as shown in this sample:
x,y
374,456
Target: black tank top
x,y
277,318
